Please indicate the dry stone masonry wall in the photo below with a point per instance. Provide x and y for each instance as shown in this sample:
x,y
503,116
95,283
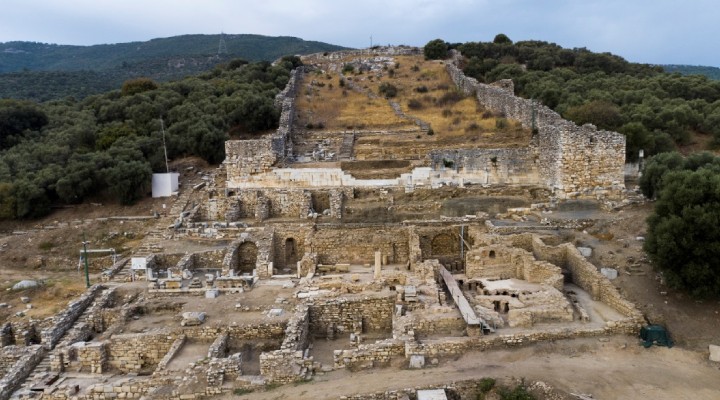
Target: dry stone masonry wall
x,y
576,160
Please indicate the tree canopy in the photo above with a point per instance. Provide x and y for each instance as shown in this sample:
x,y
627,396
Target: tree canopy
x,y
683,238
62,151
657,111
435,49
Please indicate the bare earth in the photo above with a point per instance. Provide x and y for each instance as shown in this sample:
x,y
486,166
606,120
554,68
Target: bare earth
x,y
617,369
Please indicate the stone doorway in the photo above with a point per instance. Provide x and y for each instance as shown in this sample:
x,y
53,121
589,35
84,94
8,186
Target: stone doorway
x,y
291,257
247,257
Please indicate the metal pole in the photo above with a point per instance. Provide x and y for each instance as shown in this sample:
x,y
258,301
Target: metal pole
x,y
162,128
87,273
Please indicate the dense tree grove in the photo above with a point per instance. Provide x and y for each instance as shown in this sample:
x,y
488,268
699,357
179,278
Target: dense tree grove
x,y
683,238
62,151
654,109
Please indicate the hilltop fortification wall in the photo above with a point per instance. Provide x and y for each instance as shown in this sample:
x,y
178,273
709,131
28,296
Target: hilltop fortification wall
x,y
247,157
575,160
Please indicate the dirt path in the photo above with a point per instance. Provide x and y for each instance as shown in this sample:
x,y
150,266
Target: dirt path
x,y
616,369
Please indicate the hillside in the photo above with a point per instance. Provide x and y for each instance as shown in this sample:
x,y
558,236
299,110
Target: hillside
x,y
32,56
710,72
41,72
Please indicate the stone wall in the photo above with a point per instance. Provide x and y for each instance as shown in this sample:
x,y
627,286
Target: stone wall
x,y
9,355
129,388
369,355
66,318
274,330
587,276
289,244
499,261
260,241
574,160
92,356
491,166
460,345
357,244
351,314
441,243
443,323
289,363
247,157
7,337
20,370
174,349
138,351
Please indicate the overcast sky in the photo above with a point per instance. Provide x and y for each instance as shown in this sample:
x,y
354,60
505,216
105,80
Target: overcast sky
x,y
649,31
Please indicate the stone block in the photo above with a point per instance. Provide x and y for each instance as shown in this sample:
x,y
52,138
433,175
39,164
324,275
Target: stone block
x,y
714,353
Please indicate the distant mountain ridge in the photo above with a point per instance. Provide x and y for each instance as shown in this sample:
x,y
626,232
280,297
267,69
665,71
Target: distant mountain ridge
x,y
41,71
710,72
33,56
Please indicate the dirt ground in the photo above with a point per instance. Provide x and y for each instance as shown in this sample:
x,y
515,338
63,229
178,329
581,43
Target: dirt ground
x,y
692,323
607,368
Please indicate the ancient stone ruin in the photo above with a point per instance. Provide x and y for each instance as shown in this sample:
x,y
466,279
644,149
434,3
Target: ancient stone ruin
x,y
294,263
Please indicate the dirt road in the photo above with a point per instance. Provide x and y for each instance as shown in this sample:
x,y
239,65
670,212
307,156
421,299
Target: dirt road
x,y
616,369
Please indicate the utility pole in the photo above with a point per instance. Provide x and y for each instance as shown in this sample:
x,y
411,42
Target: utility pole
x,y
162,128
87,273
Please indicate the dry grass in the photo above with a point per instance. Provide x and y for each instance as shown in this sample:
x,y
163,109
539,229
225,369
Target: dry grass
x,y
341,108
424,91
46,300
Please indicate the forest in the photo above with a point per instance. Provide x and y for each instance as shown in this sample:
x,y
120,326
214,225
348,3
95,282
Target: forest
x,y
63,151
42,72
657,111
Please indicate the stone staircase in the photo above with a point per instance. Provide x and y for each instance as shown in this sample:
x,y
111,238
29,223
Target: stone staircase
x,y
42,376
346,148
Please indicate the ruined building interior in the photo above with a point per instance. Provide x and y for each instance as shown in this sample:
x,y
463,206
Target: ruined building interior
x,y
359,245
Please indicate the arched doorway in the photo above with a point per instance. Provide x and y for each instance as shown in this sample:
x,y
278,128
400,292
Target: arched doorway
x,y
247,257
291,258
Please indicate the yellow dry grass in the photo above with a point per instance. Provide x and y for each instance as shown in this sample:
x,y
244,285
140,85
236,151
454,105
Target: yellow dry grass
x,y
424,91
48,299
341,108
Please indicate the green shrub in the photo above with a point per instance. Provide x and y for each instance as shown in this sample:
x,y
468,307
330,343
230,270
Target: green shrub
x,y
435,49
473,126
388,90
45,246
501,123
414,104
450,98
348,68
518,393
486,384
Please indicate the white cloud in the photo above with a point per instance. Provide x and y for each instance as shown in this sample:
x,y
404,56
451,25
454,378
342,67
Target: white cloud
x,y
657,31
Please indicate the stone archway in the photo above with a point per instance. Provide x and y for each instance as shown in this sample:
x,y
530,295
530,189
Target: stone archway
x,y
247,257
291,257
